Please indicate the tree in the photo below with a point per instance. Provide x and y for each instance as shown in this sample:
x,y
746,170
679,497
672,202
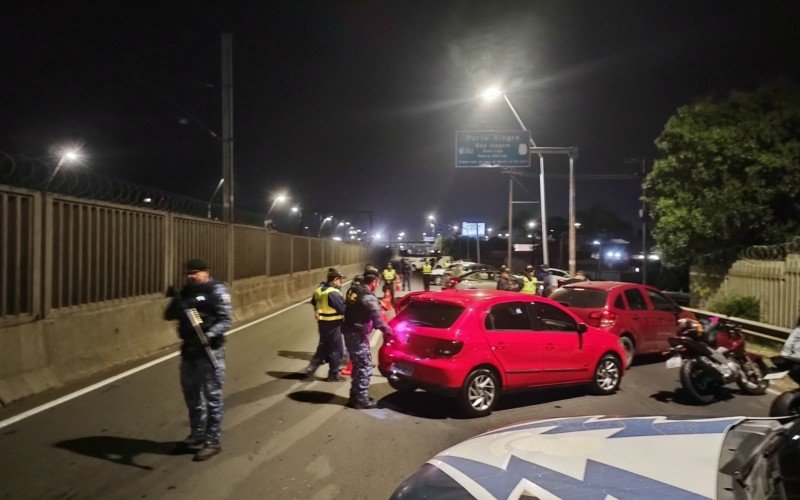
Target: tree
x,y
729,176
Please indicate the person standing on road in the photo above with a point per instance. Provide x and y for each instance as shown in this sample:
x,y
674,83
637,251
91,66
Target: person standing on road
x,y
426,275
505,282
328,306
529,283
208,302
405,269
389,275
542,280
362,314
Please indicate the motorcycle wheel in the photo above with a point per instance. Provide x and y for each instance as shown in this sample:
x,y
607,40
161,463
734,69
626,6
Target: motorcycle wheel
x,y
754,372
697,383
785,405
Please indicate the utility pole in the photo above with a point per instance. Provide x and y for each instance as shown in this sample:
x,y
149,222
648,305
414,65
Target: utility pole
x,y
510,217
227,128
643,216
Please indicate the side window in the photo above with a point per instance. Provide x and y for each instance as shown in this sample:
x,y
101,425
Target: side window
x,y
554,319
509,316
619,303
660,302
482,275
635,299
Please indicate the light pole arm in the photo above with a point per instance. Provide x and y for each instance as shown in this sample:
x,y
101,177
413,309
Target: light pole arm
x,y
53,175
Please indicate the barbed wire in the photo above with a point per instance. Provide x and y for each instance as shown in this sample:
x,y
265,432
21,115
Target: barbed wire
x,y
772,252
33,173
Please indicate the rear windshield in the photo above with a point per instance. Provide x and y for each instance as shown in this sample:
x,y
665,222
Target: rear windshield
x,y
430,314
580,297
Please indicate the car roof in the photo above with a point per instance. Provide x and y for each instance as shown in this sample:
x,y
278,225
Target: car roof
x,y
601,285
468,297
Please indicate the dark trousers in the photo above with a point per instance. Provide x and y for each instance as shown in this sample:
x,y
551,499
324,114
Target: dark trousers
x,y
357,339
407,281
202,391
426,281
390,287
329,349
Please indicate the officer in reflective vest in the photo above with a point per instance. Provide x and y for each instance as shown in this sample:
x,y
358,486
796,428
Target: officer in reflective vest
x,y
329,311
529,283
362,314
389,275
426,275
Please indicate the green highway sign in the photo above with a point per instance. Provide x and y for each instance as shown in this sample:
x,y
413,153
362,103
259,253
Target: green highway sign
x,y
493,149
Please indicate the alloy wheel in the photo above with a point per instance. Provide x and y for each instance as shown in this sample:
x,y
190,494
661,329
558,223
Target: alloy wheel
x,y
607,375
481,392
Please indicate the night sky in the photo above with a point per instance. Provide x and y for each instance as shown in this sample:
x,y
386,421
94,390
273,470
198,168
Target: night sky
x,y
356,104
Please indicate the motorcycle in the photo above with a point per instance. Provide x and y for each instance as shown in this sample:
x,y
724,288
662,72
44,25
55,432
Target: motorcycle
x,y
712,356
787,403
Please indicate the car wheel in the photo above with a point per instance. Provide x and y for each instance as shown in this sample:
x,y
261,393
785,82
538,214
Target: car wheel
x,y
607,375
401,385
479,394
630,350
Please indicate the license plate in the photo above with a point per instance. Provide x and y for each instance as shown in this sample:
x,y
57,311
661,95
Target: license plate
x,y
674,362
775,376
403,369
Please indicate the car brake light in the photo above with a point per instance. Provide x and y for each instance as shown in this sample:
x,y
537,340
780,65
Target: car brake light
x,y
448,348
603,319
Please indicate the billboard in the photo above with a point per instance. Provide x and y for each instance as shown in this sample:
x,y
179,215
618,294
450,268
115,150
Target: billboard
x,y
476,229
493,149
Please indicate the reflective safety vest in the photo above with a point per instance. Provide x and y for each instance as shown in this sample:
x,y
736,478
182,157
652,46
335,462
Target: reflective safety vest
x,y
325,311
389,275
426,269
529,285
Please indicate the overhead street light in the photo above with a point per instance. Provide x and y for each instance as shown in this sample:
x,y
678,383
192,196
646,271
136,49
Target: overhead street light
x,y
70,155
277,200
490,94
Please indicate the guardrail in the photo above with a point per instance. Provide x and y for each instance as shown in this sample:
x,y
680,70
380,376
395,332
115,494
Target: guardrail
x,y
762,331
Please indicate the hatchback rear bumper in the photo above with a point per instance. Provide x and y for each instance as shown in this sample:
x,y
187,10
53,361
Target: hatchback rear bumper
x,y
439,375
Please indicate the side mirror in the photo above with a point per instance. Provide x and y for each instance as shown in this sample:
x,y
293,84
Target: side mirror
x,y
171,291
582,328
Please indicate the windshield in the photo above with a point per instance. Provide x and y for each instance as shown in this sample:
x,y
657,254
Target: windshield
x,y
580,297
431,314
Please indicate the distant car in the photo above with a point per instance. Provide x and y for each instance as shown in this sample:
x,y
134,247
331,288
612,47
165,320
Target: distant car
x,y
641,316
555,276
473,345
456,270
481,280
611,457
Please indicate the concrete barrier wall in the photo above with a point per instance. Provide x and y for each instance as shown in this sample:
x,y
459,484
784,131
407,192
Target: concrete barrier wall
x,y
75,343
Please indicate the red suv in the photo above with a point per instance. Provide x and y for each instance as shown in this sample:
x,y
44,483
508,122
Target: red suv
x,y
641,316
473,344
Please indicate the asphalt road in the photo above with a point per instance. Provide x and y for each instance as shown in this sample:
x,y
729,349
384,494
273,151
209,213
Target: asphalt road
x,y
283,437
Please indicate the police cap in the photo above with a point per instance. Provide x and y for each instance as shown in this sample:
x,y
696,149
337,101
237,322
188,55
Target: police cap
x,y
334,274
197,265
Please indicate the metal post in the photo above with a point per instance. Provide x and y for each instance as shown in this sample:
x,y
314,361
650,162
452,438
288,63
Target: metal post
x,y
545,253
510,216
571,229
478,241
227,127
643,216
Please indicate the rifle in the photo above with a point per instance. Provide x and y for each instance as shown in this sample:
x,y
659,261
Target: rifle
x,y
195,320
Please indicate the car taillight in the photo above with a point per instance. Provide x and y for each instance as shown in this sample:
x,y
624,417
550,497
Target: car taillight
x,y
448,348
603,319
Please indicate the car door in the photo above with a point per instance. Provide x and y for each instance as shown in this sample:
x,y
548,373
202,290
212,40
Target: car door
x,y
638,321
517,348
663,312
564,358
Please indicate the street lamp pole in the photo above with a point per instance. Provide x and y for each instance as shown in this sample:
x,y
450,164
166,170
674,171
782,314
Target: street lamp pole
x,y
545,256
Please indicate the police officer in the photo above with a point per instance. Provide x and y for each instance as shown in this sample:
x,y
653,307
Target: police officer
x,y
389,275
405,269
328,306
426,275
529,282
505,282
362,314
202,366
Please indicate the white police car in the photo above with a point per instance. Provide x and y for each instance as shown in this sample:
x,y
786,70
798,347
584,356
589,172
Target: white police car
x,y
608,457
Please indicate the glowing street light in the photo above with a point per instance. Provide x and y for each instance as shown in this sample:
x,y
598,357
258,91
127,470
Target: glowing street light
x,y
295,209
277,200
531,224
71,155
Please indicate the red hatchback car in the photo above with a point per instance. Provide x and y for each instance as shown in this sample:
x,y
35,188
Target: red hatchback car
x,y
641,316
473,344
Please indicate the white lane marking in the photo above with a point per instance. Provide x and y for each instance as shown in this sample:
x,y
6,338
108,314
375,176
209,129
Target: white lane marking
x,y
103,383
